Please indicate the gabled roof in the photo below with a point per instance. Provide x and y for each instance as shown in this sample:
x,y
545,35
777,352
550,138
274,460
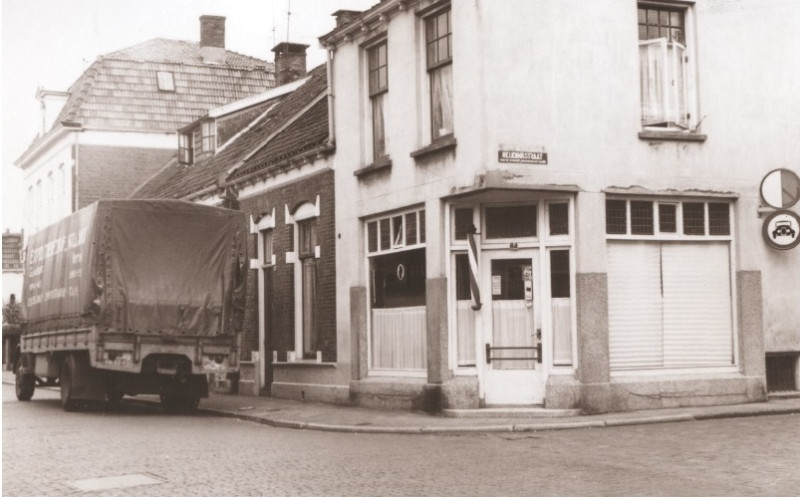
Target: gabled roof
x,y
297,123
119,91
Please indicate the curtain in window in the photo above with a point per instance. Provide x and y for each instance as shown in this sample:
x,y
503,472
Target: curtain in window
x,y
442,101
378,123
662,79
651,72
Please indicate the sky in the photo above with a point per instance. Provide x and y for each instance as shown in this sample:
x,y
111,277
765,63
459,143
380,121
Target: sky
x,y
49,43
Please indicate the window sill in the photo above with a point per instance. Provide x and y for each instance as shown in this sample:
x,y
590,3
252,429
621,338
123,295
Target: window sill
x,y
441,144
382,164
684,136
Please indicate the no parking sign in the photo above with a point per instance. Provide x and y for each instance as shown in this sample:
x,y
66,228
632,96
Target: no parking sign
x,y
780,188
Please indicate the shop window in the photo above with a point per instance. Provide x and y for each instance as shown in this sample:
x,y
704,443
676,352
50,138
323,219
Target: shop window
x,y
398,310
516,221
558,218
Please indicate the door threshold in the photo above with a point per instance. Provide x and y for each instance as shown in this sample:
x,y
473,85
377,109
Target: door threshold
x,y
510,412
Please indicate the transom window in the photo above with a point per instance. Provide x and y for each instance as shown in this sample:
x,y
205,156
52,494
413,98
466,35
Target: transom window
x,y
652,218
511,221
665,71
406,230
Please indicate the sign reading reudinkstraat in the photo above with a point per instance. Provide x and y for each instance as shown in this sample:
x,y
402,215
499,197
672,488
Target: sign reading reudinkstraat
x,y
521,157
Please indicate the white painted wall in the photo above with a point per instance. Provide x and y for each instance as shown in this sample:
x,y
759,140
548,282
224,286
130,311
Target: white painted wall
x,y
563,77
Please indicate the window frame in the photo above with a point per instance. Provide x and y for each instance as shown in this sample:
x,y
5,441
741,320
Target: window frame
x,y
435,68
165,81
688,66
186,148
377,94
208,133
680,230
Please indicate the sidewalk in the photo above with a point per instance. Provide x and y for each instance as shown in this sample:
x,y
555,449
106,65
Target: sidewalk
x,y
328,417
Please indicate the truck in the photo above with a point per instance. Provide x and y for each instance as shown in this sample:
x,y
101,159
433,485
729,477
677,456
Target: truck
x,y
128,297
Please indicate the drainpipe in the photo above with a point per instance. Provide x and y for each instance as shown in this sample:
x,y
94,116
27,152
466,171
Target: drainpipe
x,y
331,124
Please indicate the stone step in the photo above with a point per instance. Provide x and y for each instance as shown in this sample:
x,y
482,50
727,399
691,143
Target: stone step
x,y
511,412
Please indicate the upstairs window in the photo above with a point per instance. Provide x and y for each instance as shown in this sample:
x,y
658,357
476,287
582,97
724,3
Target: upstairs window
x,y
378,89
439,53
664,67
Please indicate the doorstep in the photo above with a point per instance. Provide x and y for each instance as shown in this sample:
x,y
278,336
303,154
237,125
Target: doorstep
x,y
510,412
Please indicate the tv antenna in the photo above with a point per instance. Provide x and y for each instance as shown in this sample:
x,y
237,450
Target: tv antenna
x,y
288,18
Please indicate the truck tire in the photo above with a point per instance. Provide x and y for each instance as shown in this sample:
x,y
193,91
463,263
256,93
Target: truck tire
x,y
24,383
66,379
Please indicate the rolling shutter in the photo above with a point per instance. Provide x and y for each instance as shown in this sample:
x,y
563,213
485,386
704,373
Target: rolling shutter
x,y
669,305
634,305
697,305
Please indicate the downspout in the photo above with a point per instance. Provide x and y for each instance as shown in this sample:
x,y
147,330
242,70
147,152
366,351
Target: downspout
x,y
331,124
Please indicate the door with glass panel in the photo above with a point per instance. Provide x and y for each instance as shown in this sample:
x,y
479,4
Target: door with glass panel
x,y
513,372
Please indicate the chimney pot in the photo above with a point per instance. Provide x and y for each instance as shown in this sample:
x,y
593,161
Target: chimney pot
x,y
290,62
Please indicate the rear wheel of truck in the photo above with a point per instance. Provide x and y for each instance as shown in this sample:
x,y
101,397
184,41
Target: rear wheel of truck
x,y
66,380
24,383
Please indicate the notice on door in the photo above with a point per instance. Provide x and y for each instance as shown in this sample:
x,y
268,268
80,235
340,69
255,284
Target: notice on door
x,y
497,284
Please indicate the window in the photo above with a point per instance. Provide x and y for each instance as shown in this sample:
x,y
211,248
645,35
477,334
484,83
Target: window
x,y
463,223
515,221
197,142
396,259
185,149
694,219
165,81
438,47
378,88
209,137
306,248
558,218
267,251
664,69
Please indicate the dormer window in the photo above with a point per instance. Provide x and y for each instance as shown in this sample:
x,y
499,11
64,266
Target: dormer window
x,y
165,81
185,149
209,136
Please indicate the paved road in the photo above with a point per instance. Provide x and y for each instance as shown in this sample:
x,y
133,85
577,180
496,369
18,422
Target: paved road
x,y
46,451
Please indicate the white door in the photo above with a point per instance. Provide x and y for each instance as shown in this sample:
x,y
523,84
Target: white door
x,y
512,372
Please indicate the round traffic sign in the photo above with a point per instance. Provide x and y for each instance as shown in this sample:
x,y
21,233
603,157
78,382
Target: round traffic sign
x,y
780,188
781,230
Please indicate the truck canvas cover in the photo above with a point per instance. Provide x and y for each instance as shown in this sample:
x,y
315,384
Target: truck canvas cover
x,y
139,266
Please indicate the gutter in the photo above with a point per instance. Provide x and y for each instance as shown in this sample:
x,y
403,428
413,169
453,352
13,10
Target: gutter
x,y
331,124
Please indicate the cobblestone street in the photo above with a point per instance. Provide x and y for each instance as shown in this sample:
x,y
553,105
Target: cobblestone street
x,y
46,451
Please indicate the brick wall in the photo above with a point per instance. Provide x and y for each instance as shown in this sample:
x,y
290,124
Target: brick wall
x,y
115,172
281,329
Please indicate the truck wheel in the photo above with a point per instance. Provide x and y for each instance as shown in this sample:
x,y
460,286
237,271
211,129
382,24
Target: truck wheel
x,y
24,384
66,381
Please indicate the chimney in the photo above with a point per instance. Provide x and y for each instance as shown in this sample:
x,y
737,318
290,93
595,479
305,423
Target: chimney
x,y
344,17
290,62
212,39
51,104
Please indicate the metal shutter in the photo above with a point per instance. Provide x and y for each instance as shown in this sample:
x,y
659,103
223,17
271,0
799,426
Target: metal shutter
x,y
634,305
697,305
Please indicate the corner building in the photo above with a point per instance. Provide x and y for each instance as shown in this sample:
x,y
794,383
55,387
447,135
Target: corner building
x,y
537,209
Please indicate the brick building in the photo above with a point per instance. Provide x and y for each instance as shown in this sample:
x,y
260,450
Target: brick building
x,y
117,124
276,165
